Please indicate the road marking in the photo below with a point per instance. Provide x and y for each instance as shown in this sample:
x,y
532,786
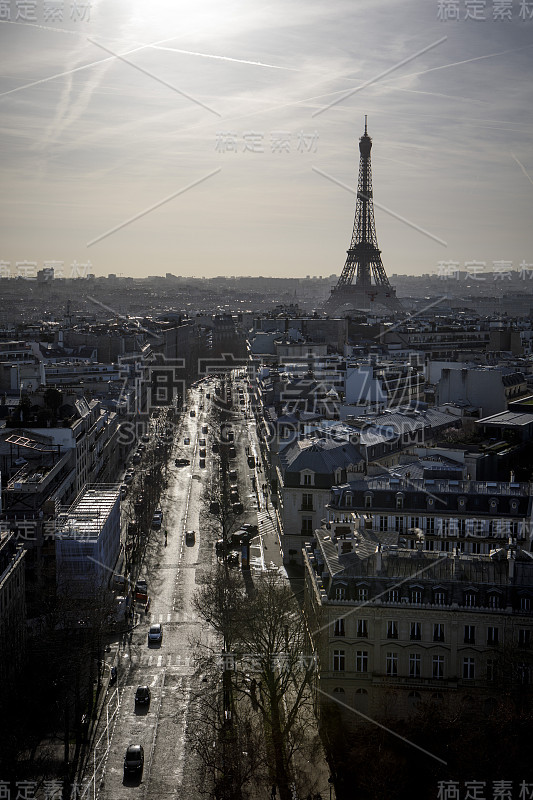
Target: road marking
x,y
159,660
169,659
150,660
169,615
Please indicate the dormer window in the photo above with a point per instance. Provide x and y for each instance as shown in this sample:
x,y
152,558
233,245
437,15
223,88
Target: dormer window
x,y
493,504
462,503
368,500
431,502
349,498
307,478
399,500
514,506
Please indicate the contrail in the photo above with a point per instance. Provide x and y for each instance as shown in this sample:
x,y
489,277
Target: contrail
x,y
80,69
522,168
224,58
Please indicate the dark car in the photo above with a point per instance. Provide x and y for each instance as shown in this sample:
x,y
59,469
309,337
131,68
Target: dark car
x,y
214,507
182,462
238,508
142,696
134,758
202,463
190,537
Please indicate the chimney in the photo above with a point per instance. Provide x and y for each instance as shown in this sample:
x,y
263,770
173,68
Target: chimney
x,y
379,558
511,555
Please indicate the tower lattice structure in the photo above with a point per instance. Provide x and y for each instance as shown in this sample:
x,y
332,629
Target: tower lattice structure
x,y
363,280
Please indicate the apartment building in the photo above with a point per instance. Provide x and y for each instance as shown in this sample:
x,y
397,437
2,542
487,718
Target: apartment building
x,y
395,626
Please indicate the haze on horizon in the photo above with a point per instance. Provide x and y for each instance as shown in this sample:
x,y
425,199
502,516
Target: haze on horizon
x,y
204,137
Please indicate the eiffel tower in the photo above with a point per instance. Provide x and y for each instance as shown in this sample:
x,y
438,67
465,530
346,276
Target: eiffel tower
x,y
364,258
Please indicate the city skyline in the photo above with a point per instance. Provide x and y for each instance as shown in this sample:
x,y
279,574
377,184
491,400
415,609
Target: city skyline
x,y
202,142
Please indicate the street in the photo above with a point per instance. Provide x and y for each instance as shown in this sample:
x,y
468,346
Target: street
x,y
172,573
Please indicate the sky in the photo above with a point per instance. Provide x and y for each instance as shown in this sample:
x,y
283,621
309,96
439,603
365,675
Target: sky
x,y
206,138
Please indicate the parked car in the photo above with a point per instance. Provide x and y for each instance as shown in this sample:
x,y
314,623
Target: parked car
x,y
145,437
157,519
136,458
204,428
232,474
202,463
128,477
238,508
123,491
186,440
234,497
134,758
141,590
192,413
155,634
142,696
232,452
251,462
214,507
190,537
202,452
182,462
202,442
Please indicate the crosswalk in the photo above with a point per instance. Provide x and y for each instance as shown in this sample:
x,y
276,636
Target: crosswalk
x,y
161,660
168,618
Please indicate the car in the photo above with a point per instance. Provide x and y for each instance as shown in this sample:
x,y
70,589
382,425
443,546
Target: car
x,y
186,440
141,590
232,474
182,462
234,497
202,442
251,462
190,537
155,634
141,448
208,395
134,758
157,519
145,437
142,696
128,478
192,413
123,491
201,406
215,447
204,429
238,508
202,463
202,452
136,458
232,452
214,506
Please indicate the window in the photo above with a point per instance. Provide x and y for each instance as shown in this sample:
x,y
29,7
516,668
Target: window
x,y
438,632
340,593
415,522
392,629
523,637
469,669
491,669
470,634
393,596
439,598
383,523
348,498
430,528
398,524
415,633
362,628
361,661
307,526
368,501
438,667
494,601
525,604
392,664
470,599
399,501
307,479
339,627
338,660
492,635
416,596
414,665
362,594
307,502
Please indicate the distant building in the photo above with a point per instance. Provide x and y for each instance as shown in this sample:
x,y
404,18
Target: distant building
x,y
88,543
